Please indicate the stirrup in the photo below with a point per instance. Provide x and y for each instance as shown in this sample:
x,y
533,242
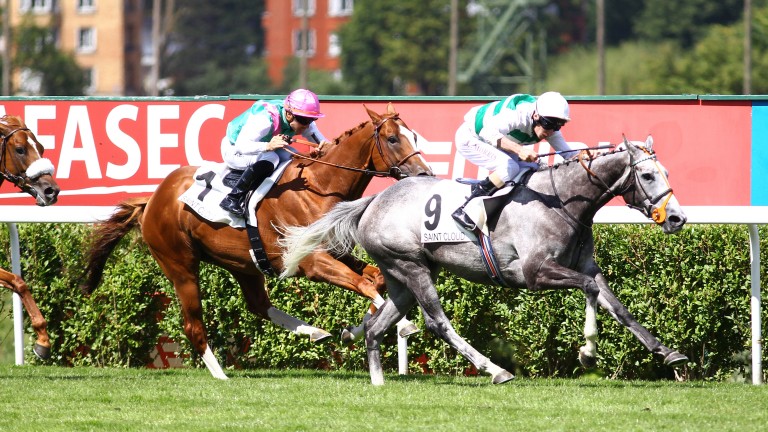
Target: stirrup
x,y
461,217
232,206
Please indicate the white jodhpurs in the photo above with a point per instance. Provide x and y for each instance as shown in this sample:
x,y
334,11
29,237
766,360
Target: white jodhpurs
x,y
506,166
236,159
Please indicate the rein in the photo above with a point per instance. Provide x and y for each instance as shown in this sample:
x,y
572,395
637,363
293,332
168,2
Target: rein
x,y
658,215
394,170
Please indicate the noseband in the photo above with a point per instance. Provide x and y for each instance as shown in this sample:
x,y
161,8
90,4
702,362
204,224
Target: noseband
x,y
22,180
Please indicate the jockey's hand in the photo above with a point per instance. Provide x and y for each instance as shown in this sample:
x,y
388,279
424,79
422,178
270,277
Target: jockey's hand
x,y
277,142
320,149
527,154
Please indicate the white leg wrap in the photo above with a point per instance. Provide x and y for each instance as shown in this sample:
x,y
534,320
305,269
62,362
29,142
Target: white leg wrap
x,y
212,364
289,322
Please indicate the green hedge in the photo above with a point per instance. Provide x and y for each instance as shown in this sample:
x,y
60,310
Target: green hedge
x,y
691,290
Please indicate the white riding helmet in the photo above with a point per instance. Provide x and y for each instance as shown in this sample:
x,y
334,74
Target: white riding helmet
x,y
553,104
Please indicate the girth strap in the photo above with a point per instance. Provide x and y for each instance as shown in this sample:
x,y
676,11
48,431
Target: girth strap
x,y
258,254
489,258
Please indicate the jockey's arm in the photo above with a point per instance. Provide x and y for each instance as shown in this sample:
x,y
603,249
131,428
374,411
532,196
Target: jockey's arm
x,y
313,134
495,132
255,130
558,142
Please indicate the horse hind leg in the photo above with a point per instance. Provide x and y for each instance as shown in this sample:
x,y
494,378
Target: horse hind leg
x,y
388,314
258,303
15,283
405,327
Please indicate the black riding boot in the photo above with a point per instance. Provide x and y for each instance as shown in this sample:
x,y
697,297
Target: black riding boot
x,y
252,176
484,188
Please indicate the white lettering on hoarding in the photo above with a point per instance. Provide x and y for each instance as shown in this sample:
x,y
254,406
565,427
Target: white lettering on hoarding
x,y
125,142
156,141
192,134
78,120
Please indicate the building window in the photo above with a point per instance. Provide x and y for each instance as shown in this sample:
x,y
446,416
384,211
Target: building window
x,y
299,6
299,41
89,76
86,6
36,6
86,40
334,46
340,7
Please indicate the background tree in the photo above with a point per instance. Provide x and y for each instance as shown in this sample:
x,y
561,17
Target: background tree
x,y
36,52
215,48
387,45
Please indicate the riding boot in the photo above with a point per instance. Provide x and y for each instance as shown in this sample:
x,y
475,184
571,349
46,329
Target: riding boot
x,y
252,176
484,188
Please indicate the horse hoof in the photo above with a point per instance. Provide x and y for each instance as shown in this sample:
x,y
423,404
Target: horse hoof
x,y
587,361
347,337
408,330
42,352
675,359
319,335
502,377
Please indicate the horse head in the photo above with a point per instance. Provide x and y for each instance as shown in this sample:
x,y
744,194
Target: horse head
x,y
649,190
22,164
396,150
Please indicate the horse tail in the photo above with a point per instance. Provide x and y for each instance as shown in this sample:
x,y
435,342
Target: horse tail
x,y
106,235
336,232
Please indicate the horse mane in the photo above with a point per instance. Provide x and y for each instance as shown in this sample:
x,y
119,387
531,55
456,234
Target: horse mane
x,y
10,122
573,161
349,132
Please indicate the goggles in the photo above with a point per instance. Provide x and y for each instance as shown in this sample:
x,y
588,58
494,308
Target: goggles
x,y
551,123
306,121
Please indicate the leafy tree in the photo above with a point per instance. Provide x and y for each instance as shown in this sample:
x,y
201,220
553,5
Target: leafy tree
x,y
216,48
684,21
36,51
388,44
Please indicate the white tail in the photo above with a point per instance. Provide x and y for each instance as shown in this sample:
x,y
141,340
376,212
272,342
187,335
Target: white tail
x,y
336,232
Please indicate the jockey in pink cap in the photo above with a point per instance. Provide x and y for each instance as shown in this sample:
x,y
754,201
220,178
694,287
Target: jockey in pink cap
x,y
253,136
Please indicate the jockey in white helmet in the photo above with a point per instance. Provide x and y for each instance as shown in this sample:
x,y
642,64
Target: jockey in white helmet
x,y
494,136
253,136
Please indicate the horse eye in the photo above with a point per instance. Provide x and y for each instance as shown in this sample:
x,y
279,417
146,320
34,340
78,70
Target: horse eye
x,y
647,177
392,139
20,150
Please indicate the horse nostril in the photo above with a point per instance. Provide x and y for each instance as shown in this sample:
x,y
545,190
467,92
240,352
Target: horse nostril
x,y
51,192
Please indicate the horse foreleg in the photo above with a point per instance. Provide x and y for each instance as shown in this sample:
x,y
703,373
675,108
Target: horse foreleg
x,y
551,275
16,284
355,275
405,327
619,312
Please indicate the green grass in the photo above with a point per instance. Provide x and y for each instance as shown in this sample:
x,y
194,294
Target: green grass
x,y
37,398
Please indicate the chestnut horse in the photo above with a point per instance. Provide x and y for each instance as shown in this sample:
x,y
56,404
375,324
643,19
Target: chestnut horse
x,y
22,164
179,239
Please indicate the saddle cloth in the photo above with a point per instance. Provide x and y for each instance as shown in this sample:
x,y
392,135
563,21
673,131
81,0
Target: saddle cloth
x,y
445,197
211,185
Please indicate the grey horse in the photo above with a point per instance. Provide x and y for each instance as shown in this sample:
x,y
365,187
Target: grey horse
x,y
542,240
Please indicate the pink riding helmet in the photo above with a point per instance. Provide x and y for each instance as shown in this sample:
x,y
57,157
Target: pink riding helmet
x,y
304,103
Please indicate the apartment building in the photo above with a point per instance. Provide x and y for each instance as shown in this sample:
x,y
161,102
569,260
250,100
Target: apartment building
x,y
285,28
103,35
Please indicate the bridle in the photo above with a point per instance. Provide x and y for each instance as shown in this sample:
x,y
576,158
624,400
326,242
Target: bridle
x,y
18,180
630,182
394,168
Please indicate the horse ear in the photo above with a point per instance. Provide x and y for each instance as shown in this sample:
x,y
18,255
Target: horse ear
x,y
649,143
391,109
375,118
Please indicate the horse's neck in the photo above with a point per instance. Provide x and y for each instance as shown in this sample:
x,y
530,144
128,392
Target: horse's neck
x,y
585,190
352,151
